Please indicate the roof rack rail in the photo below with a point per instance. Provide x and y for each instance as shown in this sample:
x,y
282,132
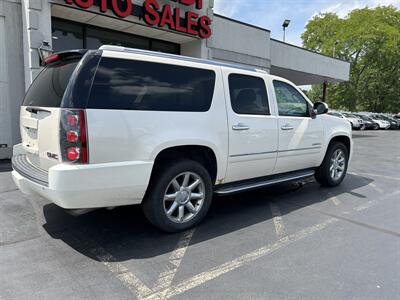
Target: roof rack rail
x,y
180,57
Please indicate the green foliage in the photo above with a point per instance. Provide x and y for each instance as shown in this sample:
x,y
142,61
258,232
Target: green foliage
x,y
370,40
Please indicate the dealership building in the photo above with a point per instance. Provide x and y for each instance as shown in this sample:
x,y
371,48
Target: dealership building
x,y
29,28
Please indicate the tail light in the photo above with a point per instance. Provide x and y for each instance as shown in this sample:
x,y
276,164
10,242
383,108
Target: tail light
x,y
73,136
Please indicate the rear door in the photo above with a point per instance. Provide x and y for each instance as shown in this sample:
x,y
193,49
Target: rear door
x,y
253,139
40,113
300,136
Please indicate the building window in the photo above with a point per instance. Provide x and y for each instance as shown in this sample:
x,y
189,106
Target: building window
x,y
68,35
95,37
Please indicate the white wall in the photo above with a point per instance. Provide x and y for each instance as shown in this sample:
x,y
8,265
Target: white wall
x,y
306,67
36,19
236,42
12,83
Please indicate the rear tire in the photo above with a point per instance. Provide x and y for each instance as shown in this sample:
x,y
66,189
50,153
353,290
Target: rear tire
x,y
334,166
179,196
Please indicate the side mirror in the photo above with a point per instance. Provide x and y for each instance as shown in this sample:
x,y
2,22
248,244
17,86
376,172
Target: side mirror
x,y
320,107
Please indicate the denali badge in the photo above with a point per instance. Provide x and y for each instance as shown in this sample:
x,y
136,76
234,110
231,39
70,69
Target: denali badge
x,y
52,155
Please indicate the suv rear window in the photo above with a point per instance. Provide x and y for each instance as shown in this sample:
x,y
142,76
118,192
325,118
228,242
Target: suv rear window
x,y
47,90
139,85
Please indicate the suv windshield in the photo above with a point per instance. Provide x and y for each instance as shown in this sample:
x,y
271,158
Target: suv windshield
x,y
47,90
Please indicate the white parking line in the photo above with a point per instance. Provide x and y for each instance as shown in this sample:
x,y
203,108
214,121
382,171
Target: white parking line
x,y
373,185
175,259
217,271
365,205
131,281
122,273
334,199
376,175
163,288
277,219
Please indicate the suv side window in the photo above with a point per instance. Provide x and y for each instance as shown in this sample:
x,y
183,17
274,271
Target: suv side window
x,y
248,95
290,101
140,85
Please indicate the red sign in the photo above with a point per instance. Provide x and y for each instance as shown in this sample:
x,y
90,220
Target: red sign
x,y
156,15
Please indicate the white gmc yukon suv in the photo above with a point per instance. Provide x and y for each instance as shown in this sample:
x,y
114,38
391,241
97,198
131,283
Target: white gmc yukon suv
x,y
118,126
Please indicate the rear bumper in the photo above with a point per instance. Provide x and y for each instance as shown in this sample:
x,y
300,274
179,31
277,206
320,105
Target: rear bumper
x,y
91,186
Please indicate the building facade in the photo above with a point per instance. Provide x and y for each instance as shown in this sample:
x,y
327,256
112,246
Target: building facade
x,y
183,27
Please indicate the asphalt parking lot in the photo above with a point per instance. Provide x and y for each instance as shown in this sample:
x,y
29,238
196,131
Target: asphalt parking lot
x,y
293,241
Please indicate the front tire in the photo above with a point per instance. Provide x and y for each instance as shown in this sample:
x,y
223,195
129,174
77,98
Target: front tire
x,y
179,196
334,166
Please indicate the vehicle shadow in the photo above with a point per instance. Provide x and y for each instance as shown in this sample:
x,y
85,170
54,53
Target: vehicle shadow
x,y
126,234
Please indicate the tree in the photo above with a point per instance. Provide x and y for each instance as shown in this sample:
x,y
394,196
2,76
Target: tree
x,y
370,40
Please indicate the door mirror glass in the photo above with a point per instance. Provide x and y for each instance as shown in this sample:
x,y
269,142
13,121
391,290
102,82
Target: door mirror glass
x,y
320,107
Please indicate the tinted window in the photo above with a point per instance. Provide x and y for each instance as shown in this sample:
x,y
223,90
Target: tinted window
x,y
248,95
140,85
48,88
290,101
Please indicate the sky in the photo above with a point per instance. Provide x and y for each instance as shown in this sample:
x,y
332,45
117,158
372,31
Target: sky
x,y
270,14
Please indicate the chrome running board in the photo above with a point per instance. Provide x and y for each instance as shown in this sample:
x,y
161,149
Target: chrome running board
x,y
246,185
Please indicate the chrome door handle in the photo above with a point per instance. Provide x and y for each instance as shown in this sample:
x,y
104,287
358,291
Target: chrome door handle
x,y
240,126
287,127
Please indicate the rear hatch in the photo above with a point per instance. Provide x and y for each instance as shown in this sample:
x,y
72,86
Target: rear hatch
x,y
41,109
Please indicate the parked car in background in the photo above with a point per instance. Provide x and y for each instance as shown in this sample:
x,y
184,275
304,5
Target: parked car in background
x,y
396,119
383,124
355,122
368,122
360,120
394,124
340,115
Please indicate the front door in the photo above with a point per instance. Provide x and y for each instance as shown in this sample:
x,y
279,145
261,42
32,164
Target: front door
x,y
300,136
253,139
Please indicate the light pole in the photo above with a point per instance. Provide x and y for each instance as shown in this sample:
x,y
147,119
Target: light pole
x,y
284,26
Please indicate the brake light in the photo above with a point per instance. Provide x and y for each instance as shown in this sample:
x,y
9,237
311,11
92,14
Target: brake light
x,y
72,153
72,119
51,58
73,136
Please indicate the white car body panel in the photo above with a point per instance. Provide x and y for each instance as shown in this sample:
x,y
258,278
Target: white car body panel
x,y
252,152
335,127
382,123
123,144
40,136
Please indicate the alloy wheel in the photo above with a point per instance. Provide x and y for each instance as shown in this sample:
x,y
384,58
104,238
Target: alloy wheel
x,y
184,197
338,164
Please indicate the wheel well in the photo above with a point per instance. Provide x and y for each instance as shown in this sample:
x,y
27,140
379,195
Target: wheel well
x,y
342,139
202,154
